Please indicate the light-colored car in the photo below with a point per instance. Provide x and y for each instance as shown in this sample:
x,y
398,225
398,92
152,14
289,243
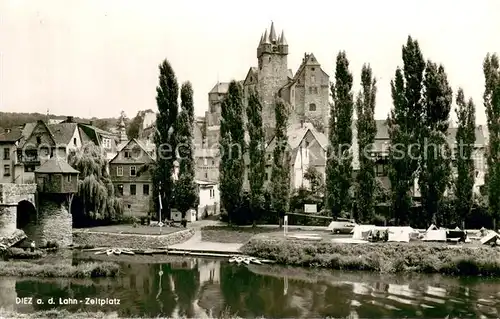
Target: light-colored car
x,y
342,226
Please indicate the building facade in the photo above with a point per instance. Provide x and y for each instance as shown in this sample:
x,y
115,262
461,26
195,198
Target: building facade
x,y
130,173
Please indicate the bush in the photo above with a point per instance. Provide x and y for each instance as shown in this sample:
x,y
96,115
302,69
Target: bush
x,y
381,257
84,270
20,253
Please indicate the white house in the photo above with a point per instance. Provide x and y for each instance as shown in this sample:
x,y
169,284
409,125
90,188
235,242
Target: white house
x,y
209,197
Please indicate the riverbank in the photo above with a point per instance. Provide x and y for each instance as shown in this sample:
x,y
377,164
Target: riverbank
x,y
83,270
379,257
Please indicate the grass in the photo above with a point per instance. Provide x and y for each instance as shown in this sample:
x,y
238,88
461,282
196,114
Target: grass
x,y
232,234
20,253
379,257
84,270
63,314
139,230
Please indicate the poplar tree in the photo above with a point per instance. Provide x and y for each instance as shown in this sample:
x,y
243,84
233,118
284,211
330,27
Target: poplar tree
x,y
404,123
186,195
167,93
367,130
339,159
256,152
465,140
491,99
435,165
280,175
232,147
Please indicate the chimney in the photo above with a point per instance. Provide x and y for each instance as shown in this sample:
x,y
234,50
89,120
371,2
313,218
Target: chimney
x,y
69,119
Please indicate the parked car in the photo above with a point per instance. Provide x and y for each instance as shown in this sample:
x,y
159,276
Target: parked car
x,y
342,226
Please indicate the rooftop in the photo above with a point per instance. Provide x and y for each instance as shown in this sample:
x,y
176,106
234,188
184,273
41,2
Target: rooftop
x,y
56,165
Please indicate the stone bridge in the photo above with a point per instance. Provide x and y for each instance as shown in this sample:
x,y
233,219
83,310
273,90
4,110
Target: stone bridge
x,y
17,207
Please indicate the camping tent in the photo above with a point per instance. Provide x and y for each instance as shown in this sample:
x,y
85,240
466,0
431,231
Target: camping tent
x,y
435,234
491,236
401,234
361,232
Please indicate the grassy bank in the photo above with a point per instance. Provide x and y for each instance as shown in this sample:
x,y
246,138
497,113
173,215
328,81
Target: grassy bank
x,y
232,234
380,257
84,270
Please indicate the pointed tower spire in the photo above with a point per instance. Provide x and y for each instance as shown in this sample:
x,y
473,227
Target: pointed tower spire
x,y
283,39
266,38
261,39
272,33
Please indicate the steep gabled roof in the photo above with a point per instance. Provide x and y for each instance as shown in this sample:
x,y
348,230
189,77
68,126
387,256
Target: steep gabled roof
x,y
13,135
141,146
63,132
220,87
45,127
252,72
297,132
56,165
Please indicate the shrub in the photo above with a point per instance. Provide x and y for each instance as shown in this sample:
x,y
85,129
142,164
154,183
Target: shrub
x,y
84,270
381,257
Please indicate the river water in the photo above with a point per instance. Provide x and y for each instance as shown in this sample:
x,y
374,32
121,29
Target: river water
x,y
195,287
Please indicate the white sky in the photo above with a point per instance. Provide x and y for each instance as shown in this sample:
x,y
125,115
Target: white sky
x,y
98,57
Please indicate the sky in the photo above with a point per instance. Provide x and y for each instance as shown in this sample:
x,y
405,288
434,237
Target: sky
x,y
94,58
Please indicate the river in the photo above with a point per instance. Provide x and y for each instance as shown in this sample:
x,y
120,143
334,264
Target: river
x,y
196,287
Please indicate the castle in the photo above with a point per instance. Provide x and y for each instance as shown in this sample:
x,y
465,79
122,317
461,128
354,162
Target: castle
x,y
306,91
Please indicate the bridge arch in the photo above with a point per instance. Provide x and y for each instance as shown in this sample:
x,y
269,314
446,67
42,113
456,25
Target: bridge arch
x,y
10,196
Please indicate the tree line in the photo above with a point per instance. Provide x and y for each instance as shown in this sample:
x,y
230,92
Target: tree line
x,y
422,99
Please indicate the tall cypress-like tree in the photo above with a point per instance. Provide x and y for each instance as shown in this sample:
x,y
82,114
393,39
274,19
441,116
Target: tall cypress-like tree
x,y
465,140
435,165
167,93
367,130
256,152
186,196
232,147
280,175
339,159
405,123
491,97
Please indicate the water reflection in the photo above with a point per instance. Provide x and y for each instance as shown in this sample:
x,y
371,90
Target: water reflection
x,y
202,287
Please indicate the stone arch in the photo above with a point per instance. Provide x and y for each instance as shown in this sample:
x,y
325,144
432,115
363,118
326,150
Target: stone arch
x,y
26,214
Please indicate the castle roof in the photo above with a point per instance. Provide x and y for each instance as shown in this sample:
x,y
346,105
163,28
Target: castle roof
x,y
55,165
220,87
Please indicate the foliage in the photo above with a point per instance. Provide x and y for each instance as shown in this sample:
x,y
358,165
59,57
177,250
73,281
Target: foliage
x,y
134,127
256,152
316,182
232,146
491,97
167,93
404,122
465,140
280,175
339,159
185,194
95,189
367,130
435,164
83,270
379,257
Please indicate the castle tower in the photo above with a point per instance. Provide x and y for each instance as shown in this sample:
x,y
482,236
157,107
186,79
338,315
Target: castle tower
x,y
57,182
272,54
122,131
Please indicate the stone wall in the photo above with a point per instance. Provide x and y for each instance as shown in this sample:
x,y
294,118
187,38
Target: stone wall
x,y
55,223
8,215
14,193
132,241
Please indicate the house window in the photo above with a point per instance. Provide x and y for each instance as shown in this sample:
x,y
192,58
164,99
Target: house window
x,y
127,154
267,176
477,174
213,162
6,170
312,107
119,171
313,69
69,178
315,90
206,175
212,193
313,79
132,171
6,154
119,187
133,189
145,189
205,161
310,90
38,140
269,156
380,170
74,141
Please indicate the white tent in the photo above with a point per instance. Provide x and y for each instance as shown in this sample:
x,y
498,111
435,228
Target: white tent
x,y
434,234
401,234
360,232
492,235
